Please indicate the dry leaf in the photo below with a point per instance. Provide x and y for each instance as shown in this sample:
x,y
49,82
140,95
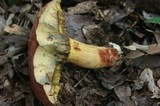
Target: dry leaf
x,y
101,92
25,8
74,24
114,14
83,7
124,94
9,53
137,33
134,54
141,100
147,76
137,84
15,29
38,5
9,20
147,61
136,46
69,88
157,36
18,41
2,22
158,83
2,11
154,49
111,82
147,15
31,17
13,9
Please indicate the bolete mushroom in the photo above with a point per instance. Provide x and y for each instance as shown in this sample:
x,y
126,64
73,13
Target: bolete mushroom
x,y
49,48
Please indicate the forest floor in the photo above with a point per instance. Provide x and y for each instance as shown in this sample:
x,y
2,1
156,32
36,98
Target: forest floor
x,y
133,81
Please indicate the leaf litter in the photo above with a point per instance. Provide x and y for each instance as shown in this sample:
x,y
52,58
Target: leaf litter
x,y
133,81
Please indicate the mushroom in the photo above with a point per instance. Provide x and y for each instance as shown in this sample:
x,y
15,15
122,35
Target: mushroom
x,y
49,48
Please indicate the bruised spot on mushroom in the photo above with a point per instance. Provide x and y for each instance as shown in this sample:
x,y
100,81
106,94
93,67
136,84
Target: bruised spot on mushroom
x,y
114,53
108,56
50,38
104,55
76,46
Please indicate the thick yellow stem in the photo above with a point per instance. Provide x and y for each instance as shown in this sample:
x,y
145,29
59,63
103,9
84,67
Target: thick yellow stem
x,y
89,56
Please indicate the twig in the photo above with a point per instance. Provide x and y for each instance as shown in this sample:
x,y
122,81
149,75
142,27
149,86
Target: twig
x,y
81,79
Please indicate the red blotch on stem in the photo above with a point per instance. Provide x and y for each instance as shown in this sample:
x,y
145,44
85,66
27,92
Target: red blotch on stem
x,y
108,56
76,46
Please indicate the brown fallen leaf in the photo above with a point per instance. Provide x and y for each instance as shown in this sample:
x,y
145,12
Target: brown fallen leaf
x,y
83,7
18,41
113,81
147,61
15,29
124,93
157,35
2,11
141,100
10,19
101,92
137,33
86,96
25,9
6,71
158,83
114,14
154,49
31,17
137,84
134,54
74,25
13,9
13,49
147,76
2,22
69,88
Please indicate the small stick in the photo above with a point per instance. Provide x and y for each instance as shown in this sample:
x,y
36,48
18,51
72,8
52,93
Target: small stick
x,y
81,79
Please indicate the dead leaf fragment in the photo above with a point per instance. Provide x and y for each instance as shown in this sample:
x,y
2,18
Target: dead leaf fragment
x,y
15,29
25,8
14,9
101,92
10,19
136,46
2,22
147,61
137,84
157,35
74,24
111,82
124,92
144,101
147,76
83,7
2,10
158,83
69,88
6,83
154,49
134,54
31,17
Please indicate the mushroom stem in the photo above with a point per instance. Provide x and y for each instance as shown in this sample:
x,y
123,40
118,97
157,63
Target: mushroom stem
x,y
90,56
